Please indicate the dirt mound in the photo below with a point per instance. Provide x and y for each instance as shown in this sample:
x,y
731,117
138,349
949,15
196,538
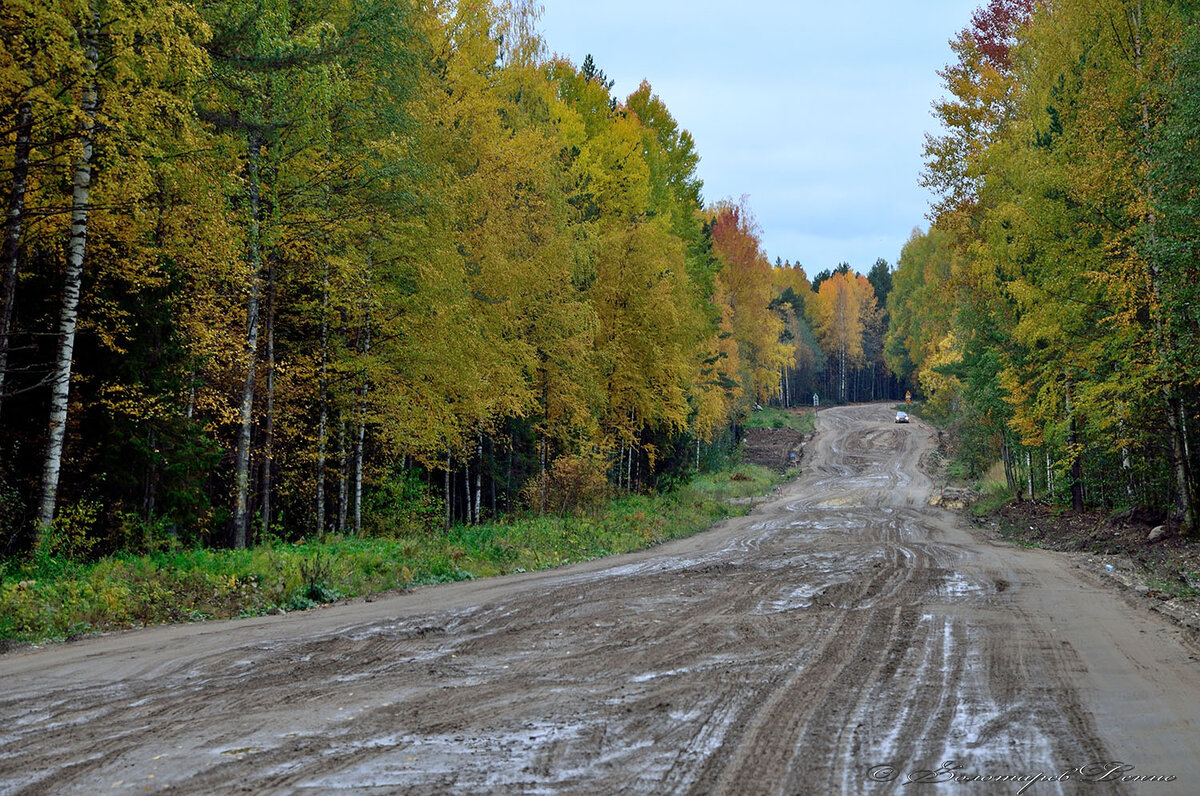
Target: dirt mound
x,y
1165,564
773,447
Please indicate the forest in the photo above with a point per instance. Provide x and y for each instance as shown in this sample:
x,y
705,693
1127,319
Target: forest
x,y
1051,308
279,269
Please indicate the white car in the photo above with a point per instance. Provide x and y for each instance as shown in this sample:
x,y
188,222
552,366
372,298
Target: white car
x,y
902,417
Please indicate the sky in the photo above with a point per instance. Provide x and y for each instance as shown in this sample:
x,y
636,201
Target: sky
x,y
814,111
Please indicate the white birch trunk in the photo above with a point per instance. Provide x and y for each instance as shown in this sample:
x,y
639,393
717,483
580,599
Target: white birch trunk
x,y
72,278
478,476
469,518
362,433
629,468
1029,472
358,471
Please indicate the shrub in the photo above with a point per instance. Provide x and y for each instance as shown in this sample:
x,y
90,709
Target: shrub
x,y
402,504
573,484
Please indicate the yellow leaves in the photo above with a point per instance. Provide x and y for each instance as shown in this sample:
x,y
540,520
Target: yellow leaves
x,y
1020,393
839,314
503,243
744,293
978,110
791,276
940,388
612,173
638,294
516,27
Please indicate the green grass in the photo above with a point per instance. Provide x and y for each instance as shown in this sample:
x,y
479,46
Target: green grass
x,y
994,497
1177,588
54,598
923,411
800,420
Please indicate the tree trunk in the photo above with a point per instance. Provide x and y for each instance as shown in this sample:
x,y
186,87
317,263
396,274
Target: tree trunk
x,y
1029,471
241,504
323,401
478,476
542,485
12,233
843,374
358,473
629,471
1076,468
468,508
492,478
508,485
269,420
72,279
343,477
1179,463
322,425
449,517
1009,477
150,486
1126,459
362,424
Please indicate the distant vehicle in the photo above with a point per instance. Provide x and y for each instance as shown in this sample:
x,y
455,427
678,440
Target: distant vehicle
x,y
902,417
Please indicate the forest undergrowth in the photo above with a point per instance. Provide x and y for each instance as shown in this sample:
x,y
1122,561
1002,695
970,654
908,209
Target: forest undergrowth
x,y
54,596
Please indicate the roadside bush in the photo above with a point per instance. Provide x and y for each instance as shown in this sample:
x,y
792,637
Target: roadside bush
x,y
70,535
401,505
573,484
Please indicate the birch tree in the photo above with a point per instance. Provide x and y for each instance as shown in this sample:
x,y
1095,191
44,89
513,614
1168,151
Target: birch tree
x,y
60,383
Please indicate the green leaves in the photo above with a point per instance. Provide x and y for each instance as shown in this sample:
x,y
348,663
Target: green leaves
x,y
1050,300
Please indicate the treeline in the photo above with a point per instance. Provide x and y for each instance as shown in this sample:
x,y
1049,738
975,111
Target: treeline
x,y
836,325
281,267
1052,306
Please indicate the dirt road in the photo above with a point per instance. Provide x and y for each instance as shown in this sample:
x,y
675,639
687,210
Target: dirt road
x,y
841,639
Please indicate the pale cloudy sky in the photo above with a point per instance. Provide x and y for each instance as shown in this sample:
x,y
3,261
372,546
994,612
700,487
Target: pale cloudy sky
x,y
814,110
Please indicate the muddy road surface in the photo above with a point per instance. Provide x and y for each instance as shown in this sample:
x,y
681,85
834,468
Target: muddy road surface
x,y
841,639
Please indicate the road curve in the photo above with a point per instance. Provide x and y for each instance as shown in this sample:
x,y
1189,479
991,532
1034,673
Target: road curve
x,y
843,638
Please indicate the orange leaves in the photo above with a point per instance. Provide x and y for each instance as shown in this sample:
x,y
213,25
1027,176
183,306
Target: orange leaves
x,y
744,295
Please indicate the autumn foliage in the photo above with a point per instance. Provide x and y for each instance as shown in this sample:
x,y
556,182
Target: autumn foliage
x,y
1050,307
340,252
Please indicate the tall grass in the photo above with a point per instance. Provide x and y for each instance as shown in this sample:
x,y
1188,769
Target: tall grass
x,y
55,597
802,420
